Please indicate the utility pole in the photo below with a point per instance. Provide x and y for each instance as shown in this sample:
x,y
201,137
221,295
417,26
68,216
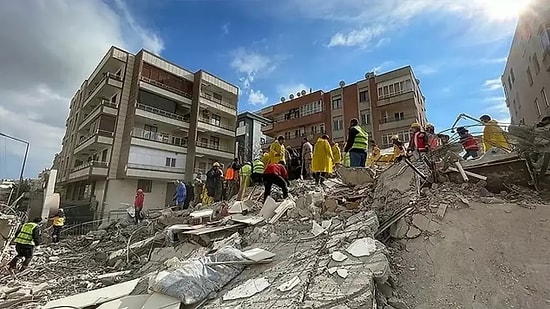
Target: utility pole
x,y
27,144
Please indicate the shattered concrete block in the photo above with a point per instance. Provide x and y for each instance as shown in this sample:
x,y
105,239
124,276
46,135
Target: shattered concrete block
x,y
399,229
397,303
413,232
421,222
330,205
353,176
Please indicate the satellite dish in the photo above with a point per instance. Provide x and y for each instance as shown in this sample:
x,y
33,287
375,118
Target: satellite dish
x,y
417,81
291,96
283,99
304,92
369,75
298,94
342,83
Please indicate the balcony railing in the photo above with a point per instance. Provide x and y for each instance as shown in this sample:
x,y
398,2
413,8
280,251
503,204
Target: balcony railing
x,y
214,147
89,136
383,120
90,164
166,87
393,94
221,102
103,103
149,167
211,121
159,111
107,75
159,137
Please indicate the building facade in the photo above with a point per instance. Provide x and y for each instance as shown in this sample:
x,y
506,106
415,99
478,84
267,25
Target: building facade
x,y
249,136
526,77
385,105
140,121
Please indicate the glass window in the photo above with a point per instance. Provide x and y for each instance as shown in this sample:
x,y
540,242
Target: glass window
x,y
145,184
364,96
536,63
544,97
537,106
530,76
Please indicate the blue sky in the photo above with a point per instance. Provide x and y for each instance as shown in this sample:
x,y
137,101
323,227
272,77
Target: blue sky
x,y
269,49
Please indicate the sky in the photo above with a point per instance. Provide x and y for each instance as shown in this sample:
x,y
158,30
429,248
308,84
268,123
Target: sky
x,y
457,48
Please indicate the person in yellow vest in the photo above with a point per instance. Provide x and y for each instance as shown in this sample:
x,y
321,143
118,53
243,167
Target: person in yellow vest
x,y
321,165
374,154
258,168
246,172
27,239
336,153
493,135
58,223
277,151
357,144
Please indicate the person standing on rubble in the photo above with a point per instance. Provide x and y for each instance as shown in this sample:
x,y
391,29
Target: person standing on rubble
x,y
246,172
258,168
357,144
197,188
398,149
493,135
336,153
58,221
27,239
138,206
374,155
321,165
433,140
214,182
468,142
418,146
232,178
307,155
181,194
275,174
277,151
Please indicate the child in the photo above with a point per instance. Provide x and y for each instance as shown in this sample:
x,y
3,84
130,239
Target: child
x,y
468,142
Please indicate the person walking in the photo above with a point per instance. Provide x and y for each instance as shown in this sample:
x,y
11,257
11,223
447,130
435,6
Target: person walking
x,y
214,182
277,151
469,143
275,174
493,135
357,144
27,239
307,155
336,153
58,221
138,206
181,194
323,159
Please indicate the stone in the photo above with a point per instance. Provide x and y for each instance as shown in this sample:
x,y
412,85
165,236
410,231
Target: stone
x,y
385,289
354,176
330,205
483,192
421,222
399,229
397,303
413,232
352,205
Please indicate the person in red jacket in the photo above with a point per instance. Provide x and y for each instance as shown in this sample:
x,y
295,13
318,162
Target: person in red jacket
x,y
278,175
138,206
468,142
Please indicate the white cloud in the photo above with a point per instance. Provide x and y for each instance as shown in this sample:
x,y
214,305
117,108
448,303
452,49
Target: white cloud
x,y
225,28
425,69
45,61
256,97
287,89
492,84
361,37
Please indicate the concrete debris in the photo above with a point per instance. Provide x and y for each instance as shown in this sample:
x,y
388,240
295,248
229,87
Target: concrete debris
x,y
249,288
362,247
289,285
338,256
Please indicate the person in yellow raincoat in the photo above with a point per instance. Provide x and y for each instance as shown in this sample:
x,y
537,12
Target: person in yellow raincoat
x,y
398,149
277,151
493,135
374,154
265,158
321,164
336,153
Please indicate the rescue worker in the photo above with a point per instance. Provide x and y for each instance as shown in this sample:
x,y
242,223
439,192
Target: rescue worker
x,y
418,146
214,182
275,174
307,155
265,158
27,239
246,172
469,143
258,167
433,140
139,200
277,151
336,153
398,149
232,178
181,194
493,135
198,188
323,159
357,144
374,155
58,221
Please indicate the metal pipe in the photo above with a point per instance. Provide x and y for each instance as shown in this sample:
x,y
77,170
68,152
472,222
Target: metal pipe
x,y
27,144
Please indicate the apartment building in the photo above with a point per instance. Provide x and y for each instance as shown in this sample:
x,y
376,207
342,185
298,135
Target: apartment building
x,y
385,104
526,77
139,121
249,136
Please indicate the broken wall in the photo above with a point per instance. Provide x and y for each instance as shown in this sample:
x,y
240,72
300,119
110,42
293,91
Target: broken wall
x,y
395,188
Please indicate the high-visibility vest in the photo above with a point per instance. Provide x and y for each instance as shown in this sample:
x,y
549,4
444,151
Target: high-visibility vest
x,y
25,236
231,174
361,140
246,170
419,139
59,221
258,167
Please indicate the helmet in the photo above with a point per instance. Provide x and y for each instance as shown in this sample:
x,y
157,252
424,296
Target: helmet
x,y
139,190
60,210
395,137
429,125
415,125
216,164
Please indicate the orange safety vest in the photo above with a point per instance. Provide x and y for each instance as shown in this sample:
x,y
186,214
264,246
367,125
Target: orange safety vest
x,y
231,174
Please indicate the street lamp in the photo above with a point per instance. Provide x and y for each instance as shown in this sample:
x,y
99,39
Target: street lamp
x,y
27,144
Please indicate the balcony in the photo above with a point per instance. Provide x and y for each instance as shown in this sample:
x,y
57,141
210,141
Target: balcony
x,y
154,171
93,169
217,151
107,87
164,90
149,139
395,97
92,141
219,105
105,107
394,123
150,112
210,125
268,127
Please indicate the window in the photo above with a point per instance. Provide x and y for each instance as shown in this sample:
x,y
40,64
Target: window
x,y
204,141
104,156
364,96
336,103
544,97
338,124
395,89
216,120
171,162
217,97
536,64
513,75
530,76
113,99
322,128
215,142
365,118
537,106
398,116
287,135
546,37
509,82
241,124
145,184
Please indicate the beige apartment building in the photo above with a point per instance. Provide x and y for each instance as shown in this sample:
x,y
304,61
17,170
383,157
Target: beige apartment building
x,y
526,78
385,104
139,121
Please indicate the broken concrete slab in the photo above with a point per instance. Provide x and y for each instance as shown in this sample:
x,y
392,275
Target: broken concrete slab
x,y
137,248
289,285
413,232
399,229
258,254
247,289
353,176
268,209
127,302
362,247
